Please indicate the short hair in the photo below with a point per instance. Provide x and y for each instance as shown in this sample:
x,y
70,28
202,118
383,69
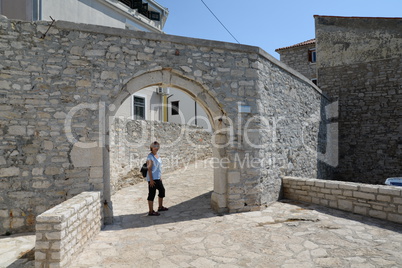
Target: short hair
x,y
154,145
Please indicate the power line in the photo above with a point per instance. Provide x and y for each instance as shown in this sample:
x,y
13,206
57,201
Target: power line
x,y
220,22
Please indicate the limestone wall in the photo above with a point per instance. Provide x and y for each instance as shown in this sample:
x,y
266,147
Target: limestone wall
x,y
57,93
297,58
296,136
377,201
63,231
130,140
359,65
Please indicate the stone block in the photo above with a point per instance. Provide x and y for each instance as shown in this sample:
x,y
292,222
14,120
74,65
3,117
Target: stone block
x,y
336,192
53,170
395,217
384,198
42,245
358,209
233,177
391,190
53,235
366,196
397,200
86,157
348,193
377,214
346,205
368,188
2,160
39,255
332,185
9,172
96,172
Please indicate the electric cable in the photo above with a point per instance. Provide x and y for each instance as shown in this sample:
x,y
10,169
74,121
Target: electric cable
x,y
220,21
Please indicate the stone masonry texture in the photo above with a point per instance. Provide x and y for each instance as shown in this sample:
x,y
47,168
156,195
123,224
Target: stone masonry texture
x,y
377,201
63,231
359,65
297,58
57,93
130,140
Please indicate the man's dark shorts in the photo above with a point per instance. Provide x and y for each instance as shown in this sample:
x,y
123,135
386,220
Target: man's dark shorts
x,y
152,190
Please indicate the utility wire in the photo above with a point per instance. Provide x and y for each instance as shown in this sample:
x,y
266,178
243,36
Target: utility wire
x,y
220,22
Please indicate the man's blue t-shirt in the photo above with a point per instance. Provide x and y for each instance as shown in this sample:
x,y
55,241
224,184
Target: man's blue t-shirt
x,y
156,167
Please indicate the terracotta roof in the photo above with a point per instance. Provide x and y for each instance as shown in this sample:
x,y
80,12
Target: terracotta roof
x,y
386,18
305,43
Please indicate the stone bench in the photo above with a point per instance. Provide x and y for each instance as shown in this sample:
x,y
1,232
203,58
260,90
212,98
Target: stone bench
x,y
61,232
377,201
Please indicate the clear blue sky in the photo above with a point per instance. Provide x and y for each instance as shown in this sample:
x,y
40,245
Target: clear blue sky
x,y
269,24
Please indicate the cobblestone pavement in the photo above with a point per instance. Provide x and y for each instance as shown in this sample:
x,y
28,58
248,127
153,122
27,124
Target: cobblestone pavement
x,y
190,234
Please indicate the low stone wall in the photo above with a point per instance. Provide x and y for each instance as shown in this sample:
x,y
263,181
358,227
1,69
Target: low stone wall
x,y
61,232
377,201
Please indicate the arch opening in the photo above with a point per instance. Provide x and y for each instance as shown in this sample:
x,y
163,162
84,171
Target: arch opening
x,y
214,115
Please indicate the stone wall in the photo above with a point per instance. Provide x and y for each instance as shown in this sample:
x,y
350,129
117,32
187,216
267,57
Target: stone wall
x,y
293,131
58,92
297,58
130,140
359,64
63,231
377,201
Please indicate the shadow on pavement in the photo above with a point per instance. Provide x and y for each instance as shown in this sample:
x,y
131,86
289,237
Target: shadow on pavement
x,y
193,209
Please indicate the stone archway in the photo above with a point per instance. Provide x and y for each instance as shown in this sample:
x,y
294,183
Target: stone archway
x,y
170,78
56,102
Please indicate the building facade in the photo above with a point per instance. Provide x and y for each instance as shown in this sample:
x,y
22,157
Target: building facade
x,y
358,64
302,57
165,105
140,15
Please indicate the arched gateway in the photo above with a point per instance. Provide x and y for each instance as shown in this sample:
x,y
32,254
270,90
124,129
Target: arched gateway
x,y
58,92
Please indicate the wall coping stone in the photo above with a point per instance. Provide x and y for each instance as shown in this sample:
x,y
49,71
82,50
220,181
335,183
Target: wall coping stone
x,y
61,233
377,201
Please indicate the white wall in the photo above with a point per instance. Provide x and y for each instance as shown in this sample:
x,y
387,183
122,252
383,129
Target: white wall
x,y
187,110
97,12
152,107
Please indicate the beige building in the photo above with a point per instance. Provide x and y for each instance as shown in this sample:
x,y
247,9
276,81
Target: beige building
x,y
302,57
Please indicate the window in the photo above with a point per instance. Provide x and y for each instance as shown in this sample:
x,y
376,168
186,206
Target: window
x,y
175,107
154,16
139,108
312,55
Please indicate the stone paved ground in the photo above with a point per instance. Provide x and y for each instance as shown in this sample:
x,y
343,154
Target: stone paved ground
x,y
17,251
286,234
